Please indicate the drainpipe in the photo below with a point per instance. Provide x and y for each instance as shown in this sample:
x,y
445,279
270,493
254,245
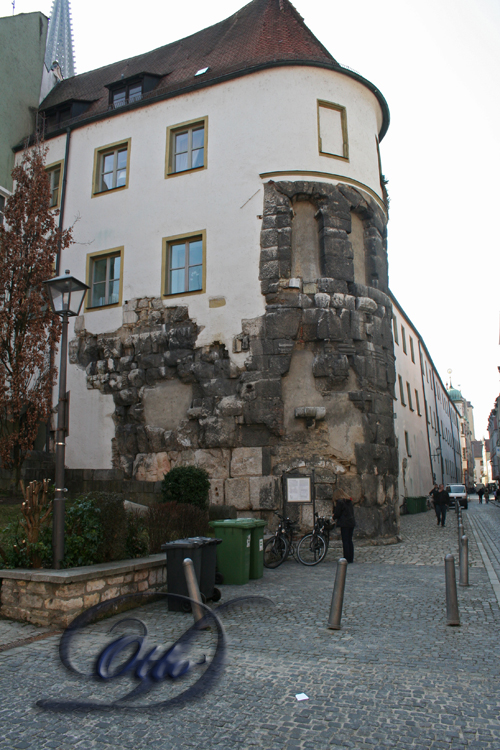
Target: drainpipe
x,y
63,199
58,261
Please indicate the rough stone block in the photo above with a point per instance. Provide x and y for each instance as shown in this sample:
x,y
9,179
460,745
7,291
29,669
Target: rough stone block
x,y
237,493
365,304
265,493
96,585
283,324
110,593
329,326
246,462
91,599
214,461
216,492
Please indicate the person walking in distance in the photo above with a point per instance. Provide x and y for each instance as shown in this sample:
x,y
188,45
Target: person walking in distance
x,y
487,494
434,493
480,492
442,502
344,516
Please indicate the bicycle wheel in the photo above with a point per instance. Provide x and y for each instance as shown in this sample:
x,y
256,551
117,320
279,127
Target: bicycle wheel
x,y
275,551
311,549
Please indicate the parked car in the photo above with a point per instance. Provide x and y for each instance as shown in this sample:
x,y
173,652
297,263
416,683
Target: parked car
x,y
457,492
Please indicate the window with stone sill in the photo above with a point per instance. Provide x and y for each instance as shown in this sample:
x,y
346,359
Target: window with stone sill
x,y
184,264
186,147
2,208
111,167
104,277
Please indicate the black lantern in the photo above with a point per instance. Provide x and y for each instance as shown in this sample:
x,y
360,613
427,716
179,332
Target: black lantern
x,y
66,294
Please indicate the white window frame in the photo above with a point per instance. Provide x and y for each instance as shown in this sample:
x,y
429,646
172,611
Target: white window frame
x,y
51,170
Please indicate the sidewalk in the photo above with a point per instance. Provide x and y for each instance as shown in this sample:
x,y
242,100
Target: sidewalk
x,y
395,676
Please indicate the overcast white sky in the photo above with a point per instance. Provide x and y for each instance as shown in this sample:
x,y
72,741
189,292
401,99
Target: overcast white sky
x,y
437,62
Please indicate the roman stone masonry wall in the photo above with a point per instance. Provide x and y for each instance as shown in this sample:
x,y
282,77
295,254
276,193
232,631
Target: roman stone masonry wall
x,y
315,392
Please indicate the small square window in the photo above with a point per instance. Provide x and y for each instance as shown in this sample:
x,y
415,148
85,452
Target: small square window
x,y
184,264
111,167
54,172
126,94
104,273
186,147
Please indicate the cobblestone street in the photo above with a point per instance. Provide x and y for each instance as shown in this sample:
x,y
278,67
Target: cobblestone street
x,y
395,676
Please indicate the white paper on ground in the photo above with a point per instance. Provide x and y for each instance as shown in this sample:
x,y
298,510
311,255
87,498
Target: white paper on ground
x,y
302,697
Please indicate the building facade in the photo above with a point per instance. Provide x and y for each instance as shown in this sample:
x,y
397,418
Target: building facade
x,y
467,436
426,420
232,230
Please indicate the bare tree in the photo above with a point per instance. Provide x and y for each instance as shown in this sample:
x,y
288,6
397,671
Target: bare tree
x,y
29,332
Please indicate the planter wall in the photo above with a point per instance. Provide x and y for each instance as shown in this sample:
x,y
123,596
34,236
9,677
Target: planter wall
x,y
53,598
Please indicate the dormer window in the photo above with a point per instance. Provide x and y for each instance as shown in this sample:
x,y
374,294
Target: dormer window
x,y
57,117
126,94
129,90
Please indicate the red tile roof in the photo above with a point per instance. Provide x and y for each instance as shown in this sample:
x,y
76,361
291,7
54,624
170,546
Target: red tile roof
x,y
263,34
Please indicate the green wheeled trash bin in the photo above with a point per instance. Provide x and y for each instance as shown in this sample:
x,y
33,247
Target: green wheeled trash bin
x,y
256,547
233,555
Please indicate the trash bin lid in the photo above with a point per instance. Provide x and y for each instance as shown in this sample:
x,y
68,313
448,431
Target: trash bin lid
x,y
205,540
254,521
191,543
234,523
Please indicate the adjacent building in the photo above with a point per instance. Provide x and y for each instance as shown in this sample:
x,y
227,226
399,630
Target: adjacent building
x,y
427,422
465,410
494,441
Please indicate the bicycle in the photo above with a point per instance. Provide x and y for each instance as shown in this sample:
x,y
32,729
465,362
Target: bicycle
x,y
278,547
313,547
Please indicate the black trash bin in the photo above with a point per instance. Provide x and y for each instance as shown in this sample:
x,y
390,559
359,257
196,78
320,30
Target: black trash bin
x,y
202,551
206,580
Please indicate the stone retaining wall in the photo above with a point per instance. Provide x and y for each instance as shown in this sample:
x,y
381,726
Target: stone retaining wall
x,y
53,598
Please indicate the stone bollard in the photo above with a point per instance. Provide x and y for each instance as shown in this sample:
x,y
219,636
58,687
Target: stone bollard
x,y
338,595
460,533
194,591
464,561
452,615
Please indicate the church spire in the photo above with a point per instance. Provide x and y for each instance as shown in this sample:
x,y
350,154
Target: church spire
x,y
60,40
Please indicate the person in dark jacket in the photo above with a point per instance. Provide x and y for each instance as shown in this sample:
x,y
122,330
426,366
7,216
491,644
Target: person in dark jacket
x,y
344,516
480,493
434,493
442,502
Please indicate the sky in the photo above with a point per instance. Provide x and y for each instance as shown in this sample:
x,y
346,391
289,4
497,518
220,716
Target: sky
x,y
437,62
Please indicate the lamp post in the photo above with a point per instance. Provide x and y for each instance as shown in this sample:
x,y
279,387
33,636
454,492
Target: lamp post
x,y
66,295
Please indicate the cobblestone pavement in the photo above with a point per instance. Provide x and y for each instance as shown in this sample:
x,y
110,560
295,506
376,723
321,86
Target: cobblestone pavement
x,y
395,676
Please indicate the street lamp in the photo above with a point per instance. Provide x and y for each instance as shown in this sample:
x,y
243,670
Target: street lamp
x,y
66,295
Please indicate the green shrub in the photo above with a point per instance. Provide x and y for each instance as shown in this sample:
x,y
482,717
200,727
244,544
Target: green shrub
x,y
114,526
220,512
82,533
137,542
17,552
187,485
